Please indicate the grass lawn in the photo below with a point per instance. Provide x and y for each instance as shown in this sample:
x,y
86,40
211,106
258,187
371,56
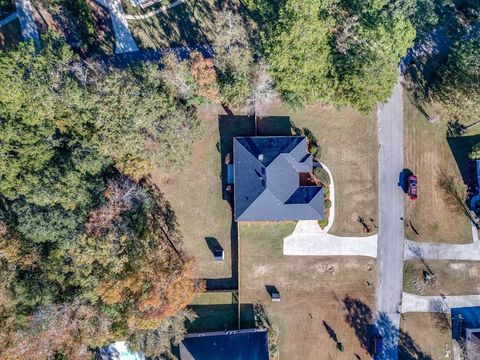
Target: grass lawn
x,y
427,151
428,332
190,23
197,197
216,312
349,147
318,294
10,35
451,277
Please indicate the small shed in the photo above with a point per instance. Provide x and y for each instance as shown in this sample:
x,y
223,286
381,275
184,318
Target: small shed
x,y
219,254
275,296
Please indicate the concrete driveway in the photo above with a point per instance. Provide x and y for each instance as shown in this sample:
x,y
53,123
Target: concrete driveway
x,y
309,239
124,41
418,303
430,251
27,22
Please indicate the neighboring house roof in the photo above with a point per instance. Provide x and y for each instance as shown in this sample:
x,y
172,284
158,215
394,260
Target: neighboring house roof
x,y
464,318
251,344
267,180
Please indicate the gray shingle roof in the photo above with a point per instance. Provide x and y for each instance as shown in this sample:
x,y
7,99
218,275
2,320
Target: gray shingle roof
x,y
247,344
267,180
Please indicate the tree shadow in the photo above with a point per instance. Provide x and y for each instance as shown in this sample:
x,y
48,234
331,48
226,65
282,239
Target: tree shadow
x,y
230,126
218,317
460,147
360,317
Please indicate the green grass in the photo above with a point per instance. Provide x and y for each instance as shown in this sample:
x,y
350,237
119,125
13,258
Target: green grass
x,y
428,152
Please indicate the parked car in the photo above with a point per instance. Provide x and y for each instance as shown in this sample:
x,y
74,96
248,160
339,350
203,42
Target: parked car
x,y
412,187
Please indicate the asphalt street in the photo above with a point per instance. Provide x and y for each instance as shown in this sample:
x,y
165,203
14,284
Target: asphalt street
x,y
391,231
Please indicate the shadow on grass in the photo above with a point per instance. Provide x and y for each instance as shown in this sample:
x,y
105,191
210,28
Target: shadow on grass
x,y
360,317
460,147
274,126
218,317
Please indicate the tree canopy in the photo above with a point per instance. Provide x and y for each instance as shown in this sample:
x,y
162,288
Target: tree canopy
x,y
336,52
89,252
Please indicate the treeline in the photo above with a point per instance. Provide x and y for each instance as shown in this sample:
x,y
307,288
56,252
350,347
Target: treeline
x,y
89,250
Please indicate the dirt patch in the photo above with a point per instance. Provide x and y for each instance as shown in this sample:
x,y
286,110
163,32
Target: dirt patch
x,y
316,293
429,334
449,277
427,151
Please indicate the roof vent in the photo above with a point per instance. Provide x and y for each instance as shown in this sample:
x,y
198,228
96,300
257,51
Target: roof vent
x,y
260,157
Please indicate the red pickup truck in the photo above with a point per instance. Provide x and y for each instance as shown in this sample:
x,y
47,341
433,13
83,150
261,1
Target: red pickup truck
x,y
412,187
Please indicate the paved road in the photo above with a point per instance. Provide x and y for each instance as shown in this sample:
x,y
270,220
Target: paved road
x,y
124,41
27,22
391,232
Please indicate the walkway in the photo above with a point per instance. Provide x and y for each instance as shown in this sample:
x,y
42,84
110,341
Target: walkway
x,y
124,41
27,22
391,232
8,19
437,304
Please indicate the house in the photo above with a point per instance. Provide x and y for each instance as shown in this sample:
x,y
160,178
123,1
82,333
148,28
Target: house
x,y
466,330
251,344
273,180
118,351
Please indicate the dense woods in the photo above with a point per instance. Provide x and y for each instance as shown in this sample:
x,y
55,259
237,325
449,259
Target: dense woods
x,y
89,252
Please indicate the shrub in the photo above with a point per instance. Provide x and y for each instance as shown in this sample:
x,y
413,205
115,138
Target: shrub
x,y
474,154
312,149
323,223
322,175
328,204
326,191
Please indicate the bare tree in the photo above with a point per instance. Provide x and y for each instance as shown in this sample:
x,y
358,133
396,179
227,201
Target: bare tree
x,y
263,322
263,89
439,311
122,194
454,194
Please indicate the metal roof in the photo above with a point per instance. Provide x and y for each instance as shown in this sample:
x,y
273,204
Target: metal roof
x,y
267,180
